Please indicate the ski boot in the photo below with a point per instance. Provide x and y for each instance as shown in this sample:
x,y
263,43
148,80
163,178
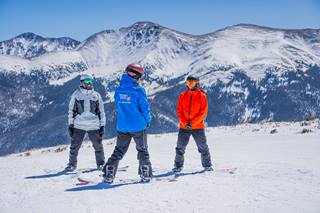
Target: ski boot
x,y
177,169
208,168
100,167
145,173
108,176
70,168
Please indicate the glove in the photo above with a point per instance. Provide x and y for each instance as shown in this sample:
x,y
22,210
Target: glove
x,y
71,130
188,126
101,131
148,125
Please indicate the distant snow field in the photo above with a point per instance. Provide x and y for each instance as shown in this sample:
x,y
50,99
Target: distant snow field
x,y
277,172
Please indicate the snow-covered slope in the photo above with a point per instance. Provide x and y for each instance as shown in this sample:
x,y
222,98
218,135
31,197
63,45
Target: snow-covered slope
x,y
64,62
29,45
275,173
255,50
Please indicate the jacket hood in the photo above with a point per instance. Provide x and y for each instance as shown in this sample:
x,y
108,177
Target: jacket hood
x,y
126,80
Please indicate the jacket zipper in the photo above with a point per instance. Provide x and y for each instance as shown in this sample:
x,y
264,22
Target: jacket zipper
x,y
189,108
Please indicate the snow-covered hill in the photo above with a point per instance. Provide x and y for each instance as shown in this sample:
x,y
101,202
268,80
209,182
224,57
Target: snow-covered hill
x,y
255,50
277,172
251,74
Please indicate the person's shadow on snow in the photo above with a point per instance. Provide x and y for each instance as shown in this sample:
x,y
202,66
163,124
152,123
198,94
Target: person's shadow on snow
x,y
49,175
60,173
159,177
102,186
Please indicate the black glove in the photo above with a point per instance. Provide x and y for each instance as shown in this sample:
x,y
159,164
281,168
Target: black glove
x,y
71,130
148,125
101,131
188,126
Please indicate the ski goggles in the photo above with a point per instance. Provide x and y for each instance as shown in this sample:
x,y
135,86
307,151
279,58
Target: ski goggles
x,y
191,84
88,81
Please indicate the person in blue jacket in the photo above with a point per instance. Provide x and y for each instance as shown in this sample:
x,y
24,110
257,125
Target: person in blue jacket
x,y
133,118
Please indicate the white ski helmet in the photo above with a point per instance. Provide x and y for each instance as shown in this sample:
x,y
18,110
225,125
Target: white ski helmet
x,y
86,76
86,81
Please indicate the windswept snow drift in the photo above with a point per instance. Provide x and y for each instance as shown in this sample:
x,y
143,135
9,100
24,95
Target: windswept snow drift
x,y
275,173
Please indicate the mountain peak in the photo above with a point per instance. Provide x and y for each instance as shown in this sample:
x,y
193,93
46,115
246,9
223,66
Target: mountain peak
x,y
29,45
32,36
145,24
142,26
28,36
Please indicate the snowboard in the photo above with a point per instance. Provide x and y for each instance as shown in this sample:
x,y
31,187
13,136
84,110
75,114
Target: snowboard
x,y
86,181
173,176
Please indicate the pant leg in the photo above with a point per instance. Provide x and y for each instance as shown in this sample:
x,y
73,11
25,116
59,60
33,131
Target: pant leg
x,y
122,145
96,140
76,142
201,141
140,138
183,139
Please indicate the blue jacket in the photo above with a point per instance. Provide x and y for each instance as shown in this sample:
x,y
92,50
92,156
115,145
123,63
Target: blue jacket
x,y
132,106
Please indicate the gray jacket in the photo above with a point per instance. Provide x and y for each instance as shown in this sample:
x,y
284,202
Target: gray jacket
x,y
86,110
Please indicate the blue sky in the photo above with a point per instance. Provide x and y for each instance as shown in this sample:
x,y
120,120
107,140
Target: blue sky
x,y
81,18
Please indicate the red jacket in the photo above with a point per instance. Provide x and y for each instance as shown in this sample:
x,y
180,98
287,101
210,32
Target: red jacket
x,y
192,108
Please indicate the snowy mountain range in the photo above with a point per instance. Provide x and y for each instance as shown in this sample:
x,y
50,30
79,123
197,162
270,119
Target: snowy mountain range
x,y
29,45
251,74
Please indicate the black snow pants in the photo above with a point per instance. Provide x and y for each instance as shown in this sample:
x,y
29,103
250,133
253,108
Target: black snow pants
x,y
201,141
76,142
122,145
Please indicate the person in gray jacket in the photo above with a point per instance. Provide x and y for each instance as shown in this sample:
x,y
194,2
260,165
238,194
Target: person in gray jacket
x,y
86,115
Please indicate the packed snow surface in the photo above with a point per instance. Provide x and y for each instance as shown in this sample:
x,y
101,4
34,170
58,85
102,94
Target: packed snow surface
x,y
275,173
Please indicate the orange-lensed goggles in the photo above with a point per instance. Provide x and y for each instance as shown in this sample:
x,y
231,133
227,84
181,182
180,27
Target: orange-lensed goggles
x,y
191,83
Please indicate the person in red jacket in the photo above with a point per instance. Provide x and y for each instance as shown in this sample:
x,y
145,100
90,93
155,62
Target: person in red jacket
x,y
192,109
